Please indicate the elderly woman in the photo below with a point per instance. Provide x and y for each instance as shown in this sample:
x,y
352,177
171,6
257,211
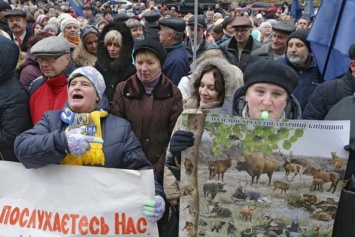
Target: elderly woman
x,y
114,56
71,31
84,133
85,53
266,29
150,102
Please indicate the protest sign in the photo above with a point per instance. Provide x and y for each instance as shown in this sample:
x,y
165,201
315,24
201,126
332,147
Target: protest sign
x,y
61,200
245,177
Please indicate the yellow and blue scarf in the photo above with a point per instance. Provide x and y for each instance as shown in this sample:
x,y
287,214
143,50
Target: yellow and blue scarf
x,y
92,122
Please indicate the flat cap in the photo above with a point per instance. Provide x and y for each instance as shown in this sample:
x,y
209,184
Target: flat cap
x,y
352,51
121,17
201,21
87,6
151,16
52,46
242,21
175,23
286,27
15,13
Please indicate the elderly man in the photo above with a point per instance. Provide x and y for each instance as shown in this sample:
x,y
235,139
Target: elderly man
x,y
16,20
171,36
299,57
278,45
330,92
202,44
238,48
151,27
49,91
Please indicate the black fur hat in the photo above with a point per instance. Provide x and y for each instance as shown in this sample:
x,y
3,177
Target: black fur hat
x,y
153,45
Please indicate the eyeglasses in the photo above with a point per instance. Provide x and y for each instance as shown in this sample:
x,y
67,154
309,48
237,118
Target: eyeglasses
x,y
50,59
241,30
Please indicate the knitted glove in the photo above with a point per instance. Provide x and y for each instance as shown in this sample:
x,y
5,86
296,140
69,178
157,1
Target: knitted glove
x,y
154,209
180,141
350,147
78,143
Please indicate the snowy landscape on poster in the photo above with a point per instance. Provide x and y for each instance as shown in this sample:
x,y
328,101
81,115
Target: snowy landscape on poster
x,y
272,177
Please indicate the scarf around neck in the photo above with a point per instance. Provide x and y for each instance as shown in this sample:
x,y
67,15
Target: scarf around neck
x,y
73,41
92,122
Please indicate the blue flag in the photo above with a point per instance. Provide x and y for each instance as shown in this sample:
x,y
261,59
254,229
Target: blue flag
x,y
331,35
308,8
296,11
77,6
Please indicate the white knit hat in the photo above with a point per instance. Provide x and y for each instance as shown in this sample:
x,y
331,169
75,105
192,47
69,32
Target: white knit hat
x,y
68,21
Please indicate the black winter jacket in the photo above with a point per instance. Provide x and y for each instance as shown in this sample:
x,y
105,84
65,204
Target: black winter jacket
x,y
14,108
308,79
204,46
324,96
47,144
230,50
121,68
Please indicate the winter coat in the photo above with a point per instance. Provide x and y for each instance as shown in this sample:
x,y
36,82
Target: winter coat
x,y
324,96
49,94
30,70
24,41
230,50
233,79
176,64
152,117
236,103
204,46
263,53
14,109
47,144
121,68
308,79
82,57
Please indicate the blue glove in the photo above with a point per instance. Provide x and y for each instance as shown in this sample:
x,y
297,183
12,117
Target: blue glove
x,y
180,141
78,143
154,209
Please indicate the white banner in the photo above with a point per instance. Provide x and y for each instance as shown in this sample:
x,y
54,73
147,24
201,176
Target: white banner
x,y
63,200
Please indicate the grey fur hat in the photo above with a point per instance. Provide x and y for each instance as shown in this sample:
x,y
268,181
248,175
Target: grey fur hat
x,y
52,46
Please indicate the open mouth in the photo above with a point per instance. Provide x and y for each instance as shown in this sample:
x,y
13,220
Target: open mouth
x,y
78,97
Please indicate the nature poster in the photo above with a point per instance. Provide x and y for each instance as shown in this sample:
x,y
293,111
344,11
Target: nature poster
x,y
251,177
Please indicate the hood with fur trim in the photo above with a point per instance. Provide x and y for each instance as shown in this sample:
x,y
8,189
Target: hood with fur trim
x,y
103,58
82,57
233,79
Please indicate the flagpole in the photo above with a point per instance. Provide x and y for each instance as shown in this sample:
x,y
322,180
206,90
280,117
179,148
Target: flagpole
x,y
332,40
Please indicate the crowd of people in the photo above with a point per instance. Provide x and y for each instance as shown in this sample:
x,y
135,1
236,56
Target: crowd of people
x,y
128,76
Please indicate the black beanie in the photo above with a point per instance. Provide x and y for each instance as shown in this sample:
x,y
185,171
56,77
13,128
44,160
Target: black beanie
x,y
269,71
152,45
302,35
